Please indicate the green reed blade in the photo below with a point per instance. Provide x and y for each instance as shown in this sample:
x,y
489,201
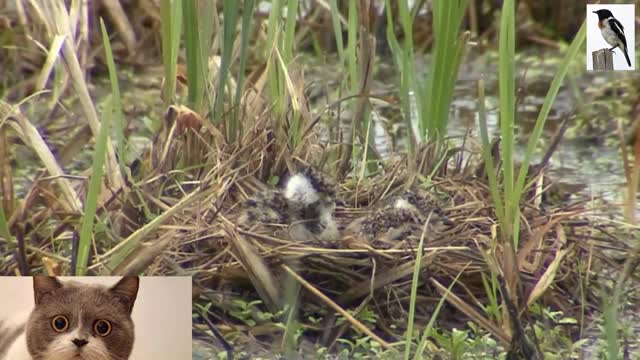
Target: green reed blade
x,y
95,185
117,102
247,17
171,15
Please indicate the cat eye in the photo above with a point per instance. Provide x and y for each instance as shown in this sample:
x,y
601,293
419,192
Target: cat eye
x,y
60,323
102,327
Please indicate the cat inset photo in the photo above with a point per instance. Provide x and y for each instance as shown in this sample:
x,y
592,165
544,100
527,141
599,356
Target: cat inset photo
x,y
95,318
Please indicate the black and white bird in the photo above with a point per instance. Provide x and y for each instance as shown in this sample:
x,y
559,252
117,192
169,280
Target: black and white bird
x,y
612,31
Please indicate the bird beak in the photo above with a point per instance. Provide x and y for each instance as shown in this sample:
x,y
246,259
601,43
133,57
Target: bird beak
x,y
595,12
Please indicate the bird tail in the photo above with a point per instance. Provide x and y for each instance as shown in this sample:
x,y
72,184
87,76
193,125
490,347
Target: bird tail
x,y
626,55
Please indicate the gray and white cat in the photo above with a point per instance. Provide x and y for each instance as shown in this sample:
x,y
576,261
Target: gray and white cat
x,y
73,321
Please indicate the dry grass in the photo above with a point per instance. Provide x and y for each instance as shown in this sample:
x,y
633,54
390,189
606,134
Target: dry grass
x,y
178,219
175,215
200,238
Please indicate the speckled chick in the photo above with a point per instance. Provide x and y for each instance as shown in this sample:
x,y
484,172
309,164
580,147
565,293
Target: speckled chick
x,y
310,196
268,207
423,203
403,217
305,204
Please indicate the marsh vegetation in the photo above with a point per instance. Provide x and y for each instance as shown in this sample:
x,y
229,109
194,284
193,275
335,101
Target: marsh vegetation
x,y
482,185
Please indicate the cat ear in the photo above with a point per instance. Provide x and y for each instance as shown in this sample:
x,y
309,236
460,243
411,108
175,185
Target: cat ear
x,y
43,285
126,291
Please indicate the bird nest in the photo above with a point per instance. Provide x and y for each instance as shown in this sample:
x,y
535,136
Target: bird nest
x,y
197,233
234,263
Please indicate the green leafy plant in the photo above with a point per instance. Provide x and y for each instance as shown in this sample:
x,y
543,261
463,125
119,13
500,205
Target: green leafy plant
x,y
281,41
426,104
250,312
197,32
507,203
113,108
171,15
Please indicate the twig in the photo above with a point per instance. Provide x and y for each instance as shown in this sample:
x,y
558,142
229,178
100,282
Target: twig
x,y
227,347
337,308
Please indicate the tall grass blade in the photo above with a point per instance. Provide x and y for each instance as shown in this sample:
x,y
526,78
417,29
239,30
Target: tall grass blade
x,y
247,17
95,185
434,97
488,158
69,199
273,24
491,289
289,31
352,43
506,79
286,50
196,73
230,13
274,85
508,206
292,293
611,327
116,99
569,58
403,59
414,292
171,27
447,54
58,19
207,26
422,345
337,29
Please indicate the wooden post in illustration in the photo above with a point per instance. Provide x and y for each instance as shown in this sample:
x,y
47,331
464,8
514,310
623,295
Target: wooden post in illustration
x,y
602,59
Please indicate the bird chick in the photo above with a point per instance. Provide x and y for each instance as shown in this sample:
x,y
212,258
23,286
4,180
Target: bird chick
x,y
424,203
310,196
402,218
305,205
268,207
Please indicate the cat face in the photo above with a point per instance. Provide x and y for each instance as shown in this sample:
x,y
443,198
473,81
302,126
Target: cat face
x,y
73,321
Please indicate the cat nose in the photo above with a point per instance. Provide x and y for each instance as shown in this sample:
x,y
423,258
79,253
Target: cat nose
x,y
80,342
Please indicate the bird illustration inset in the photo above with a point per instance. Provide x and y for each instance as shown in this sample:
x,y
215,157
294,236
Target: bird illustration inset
x,y
612,32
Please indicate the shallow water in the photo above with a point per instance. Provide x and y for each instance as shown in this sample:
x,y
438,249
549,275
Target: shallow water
x,y
588,157
593,164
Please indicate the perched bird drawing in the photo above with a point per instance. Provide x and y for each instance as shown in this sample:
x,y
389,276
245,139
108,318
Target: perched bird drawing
x,y
613,32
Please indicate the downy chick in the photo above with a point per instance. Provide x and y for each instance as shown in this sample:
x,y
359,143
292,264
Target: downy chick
x,y
311,201
402,218
305,205
266,208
